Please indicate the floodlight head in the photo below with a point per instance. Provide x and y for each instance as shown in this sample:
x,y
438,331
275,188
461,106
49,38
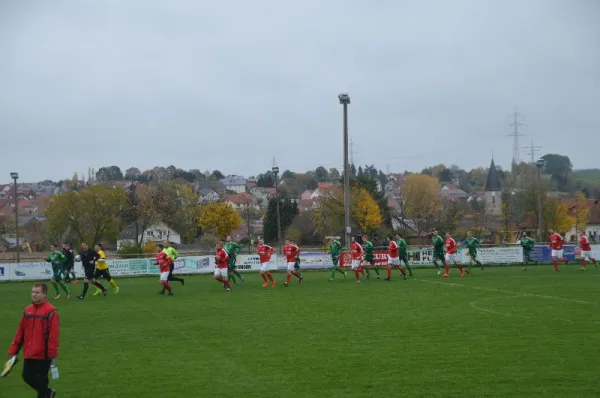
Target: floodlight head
x,y
14,175
540,164
344,98
275,170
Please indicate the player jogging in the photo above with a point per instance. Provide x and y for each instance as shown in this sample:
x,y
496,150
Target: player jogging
x,y
233,249
451,255
369,256
88,260
438,251
102,270
357,255
473,244
556,244
290,251
221,258
403,253
69,263
297,263
335,248
57,260
264,254
393,258
172,255
586,252
527,244
163,261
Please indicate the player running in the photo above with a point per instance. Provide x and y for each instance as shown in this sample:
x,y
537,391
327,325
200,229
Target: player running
x,y
357,255
451,255
88,260
335,249
473,244
221,258
264,254
438,251
556,244
527,244
57,260
172,255
69,263
233,249
102,270
163,261
369,256
290,252
393,258
403,254
297,263
586,252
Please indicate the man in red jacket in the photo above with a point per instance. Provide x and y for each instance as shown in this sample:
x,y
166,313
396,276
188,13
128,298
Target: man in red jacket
x,y
37,335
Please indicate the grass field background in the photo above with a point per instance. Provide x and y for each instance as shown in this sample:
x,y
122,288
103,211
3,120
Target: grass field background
x,y
499,332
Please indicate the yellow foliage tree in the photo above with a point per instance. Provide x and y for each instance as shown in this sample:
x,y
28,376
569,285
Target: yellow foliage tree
x,y
219,219
365,210
556,215
421,200
581,212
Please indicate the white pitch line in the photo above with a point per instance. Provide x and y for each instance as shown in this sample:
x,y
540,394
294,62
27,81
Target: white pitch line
x,y
475,306
489,289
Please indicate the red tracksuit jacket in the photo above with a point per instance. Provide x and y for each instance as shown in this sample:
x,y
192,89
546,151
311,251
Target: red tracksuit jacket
x,y
37,333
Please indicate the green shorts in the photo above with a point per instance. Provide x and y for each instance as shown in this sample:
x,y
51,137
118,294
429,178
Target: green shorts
x,y
335,260
473,254
231,263
438,255
57,273
370,260
404,257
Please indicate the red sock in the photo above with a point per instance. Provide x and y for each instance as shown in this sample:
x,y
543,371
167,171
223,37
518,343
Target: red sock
x,y
594,260
287,278
270,277
227,284
564,260
459,267
555,264
264,277
402,270
447,268
583,263
166,285
389,272
357,273
297,274
362,270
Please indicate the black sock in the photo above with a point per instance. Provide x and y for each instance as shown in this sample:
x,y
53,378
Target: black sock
x,y
176,279
85,288
99,286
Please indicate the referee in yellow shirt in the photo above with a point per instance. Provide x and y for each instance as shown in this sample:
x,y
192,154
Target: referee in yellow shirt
x,y
102,270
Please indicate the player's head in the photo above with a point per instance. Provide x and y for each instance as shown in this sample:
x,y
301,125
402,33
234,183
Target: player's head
x,y
448,235
352,239
398,235
39,292
550,231
365,238
228,239
261,241
435,232
219,244
66,246
288,241
84,245
52,248
469,234
159,248
168,243
97,246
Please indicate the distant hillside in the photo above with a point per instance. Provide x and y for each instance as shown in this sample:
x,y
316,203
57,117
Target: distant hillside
x,y
591,175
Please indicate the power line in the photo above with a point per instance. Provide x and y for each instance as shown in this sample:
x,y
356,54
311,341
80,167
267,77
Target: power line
x,y
533,149
516,134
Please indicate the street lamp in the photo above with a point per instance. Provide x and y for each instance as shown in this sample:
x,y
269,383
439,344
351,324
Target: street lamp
x,y
540,164
345,101
275,171
15,177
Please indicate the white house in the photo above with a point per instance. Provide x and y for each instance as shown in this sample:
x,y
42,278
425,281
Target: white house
x,y
234,183
241,201
207,195
158,233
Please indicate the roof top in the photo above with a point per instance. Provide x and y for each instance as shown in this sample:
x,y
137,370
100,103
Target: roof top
x,y
493,181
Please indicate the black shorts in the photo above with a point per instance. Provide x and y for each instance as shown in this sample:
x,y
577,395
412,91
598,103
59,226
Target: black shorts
x,y
102,273
88,271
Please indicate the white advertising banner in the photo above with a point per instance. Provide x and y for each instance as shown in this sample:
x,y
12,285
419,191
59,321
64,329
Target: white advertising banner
x,y
495,255
30,271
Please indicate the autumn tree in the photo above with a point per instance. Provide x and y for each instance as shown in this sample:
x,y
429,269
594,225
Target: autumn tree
x,y
133,174
421,201
141,210
365,210
581,211
556,215
90,215
219,219
449,216
111,173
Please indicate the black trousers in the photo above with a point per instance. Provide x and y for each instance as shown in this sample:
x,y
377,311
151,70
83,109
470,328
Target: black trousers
x,y
35,373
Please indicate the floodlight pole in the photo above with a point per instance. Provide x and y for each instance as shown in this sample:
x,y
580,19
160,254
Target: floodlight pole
x,y
345,101
15,177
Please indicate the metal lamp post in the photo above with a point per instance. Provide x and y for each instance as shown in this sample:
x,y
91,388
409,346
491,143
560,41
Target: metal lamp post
x,y
540,164
275,171
15,177
345,101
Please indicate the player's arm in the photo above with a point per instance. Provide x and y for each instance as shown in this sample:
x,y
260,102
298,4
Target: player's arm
x,y
17,343
53,331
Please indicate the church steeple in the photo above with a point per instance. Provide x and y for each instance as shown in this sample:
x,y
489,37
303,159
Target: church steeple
x,y
493,181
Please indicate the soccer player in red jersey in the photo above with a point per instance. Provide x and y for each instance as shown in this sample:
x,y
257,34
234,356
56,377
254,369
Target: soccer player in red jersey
x,y
222,259
586,252
291,252
164,262
556,244
393,258
357,255
264,253
451,255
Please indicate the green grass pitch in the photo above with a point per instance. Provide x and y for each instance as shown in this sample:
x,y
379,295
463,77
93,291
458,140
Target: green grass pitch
x,y
500,332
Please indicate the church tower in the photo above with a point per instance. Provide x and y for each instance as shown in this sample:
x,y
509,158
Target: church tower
x,y
493,191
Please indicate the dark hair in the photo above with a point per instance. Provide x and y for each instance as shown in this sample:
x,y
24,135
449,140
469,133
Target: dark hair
x,y
99,245
43,286
160,246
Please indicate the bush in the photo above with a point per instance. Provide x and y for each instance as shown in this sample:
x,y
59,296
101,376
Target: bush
x,y
150,247
129,249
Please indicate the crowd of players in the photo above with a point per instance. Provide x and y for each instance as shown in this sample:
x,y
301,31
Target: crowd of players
x,y
362,254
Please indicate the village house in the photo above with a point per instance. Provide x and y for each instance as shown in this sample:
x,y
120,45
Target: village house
x,y
158,233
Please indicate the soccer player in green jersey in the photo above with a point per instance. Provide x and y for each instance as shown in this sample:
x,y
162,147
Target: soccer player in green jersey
x,y
438,251
527,244
368,247
403,252
472,244
57,260
335,249
232,249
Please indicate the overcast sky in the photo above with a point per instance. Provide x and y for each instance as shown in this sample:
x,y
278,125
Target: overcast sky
x,y
229,84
